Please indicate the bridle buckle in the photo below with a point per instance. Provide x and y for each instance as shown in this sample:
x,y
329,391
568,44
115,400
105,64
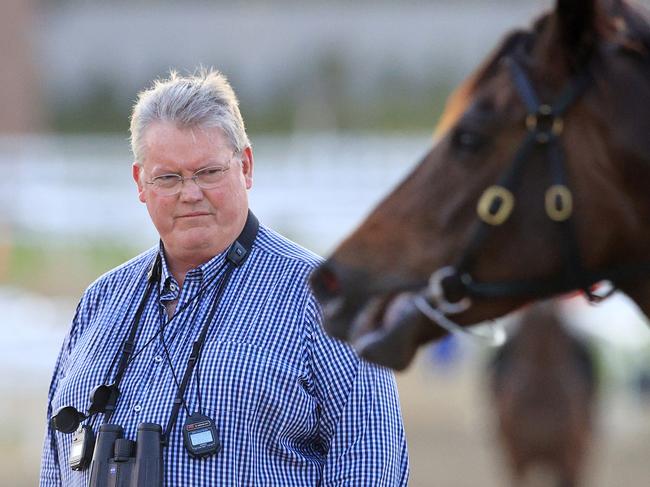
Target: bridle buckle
x,y
544,124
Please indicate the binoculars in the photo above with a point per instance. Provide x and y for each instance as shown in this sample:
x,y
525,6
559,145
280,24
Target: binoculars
x,y
118,462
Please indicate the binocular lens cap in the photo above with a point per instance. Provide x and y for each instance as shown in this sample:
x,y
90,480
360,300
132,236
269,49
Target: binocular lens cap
x,y
66,419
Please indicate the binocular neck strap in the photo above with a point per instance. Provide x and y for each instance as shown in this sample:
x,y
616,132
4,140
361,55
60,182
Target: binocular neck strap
x,y
129,344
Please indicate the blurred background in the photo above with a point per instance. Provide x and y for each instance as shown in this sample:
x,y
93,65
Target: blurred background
x,y
340,100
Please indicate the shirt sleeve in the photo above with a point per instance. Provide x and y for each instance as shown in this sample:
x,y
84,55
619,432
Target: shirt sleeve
x,y
361,425
50,475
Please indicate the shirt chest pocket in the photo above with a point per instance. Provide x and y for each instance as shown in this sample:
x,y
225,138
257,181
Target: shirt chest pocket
x,y
244,379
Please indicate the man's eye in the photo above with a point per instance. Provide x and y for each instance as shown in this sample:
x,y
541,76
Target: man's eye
x,y
166,180
211,175
468,140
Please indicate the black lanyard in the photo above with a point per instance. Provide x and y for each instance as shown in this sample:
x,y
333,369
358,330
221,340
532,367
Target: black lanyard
x,y
153,279
236,255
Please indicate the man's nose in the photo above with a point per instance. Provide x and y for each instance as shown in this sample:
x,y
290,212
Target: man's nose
x,y
190,190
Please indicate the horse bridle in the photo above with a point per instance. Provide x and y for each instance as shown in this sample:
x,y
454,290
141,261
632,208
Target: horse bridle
x,y
451,289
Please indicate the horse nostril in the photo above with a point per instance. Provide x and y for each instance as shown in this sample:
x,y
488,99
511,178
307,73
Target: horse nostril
x,y
325,282
330,281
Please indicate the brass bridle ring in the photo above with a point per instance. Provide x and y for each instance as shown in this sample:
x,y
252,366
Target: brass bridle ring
x,y
486,205
562,194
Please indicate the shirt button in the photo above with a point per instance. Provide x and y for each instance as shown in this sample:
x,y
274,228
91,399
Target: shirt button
x,y
173,287
137,408
157,358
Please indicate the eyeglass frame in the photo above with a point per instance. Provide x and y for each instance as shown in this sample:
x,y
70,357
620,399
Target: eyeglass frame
x,y
181,179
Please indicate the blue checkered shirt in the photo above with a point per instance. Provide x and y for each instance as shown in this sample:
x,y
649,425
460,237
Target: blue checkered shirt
x,y
293,407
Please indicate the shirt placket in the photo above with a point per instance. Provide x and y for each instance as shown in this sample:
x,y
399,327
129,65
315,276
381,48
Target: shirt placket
x,y
179,333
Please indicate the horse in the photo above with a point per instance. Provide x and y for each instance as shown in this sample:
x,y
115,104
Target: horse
x,y
536,185
543,386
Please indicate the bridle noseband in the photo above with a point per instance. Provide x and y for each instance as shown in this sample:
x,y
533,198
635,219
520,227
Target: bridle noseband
x,y
451,289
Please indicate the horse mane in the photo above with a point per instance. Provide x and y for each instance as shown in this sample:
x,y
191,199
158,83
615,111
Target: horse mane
x,y
624,24
460,98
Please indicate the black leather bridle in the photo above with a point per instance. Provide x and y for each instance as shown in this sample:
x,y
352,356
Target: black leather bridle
x,y
452,288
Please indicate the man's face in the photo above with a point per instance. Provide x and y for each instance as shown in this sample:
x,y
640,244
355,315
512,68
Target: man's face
x,y
196,223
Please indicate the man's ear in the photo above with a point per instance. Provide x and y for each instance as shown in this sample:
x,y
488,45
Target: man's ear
x,y
247,166
137,171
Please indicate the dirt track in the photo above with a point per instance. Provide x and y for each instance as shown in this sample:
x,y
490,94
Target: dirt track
x,y
449,426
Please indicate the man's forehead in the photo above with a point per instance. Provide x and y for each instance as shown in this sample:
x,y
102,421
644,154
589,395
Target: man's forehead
x,y
168,143
170,130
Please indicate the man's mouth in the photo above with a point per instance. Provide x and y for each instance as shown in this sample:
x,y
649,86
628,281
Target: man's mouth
x,y
193,215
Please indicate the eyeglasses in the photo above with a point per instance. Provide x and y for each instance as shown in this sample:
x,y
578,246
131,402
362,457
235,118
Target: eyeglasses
x,y
206,178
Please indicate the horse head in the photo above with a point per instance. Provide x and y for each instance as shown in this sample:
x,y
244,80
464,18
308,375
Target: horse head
x,y
537,184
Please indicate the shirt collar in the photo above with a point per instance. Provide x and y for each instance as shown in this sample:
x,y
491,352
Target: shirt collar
x,y
203,273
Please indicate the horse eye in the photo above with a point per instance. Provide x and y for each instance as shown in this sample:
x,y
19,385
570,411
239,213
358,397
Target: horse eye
x,y
468,140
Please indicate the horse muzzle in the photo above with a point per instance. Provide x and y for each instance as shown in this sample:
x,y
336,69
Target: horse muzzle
x,y
384,326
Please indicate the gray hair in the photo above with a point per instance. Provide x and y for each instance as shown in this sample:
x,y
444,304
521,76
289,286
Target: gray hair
x,y
203,100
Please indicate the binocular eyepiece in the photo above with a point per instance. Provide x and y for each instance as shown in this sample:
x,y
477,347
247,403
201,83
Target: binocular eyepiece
x,y
119,462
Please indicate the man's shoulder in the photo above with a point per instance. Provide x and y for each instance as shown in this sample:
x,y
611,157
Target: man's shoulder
x,y
281,248
133,268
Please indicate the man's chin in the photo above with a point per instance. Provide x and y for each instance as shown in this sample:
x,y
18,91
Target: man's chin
x,y
197,239
192,241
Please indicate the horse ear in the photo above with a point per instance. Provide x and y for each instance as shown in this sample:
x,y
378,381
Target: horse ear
x,y
577,23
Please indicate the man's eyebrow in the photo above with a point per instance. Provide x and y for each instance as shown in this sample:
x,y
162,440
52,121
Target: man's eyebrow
x,y
162,172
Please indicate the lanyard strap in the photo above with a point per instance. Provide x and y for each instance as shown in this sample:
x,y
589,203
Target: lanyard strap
x,y
153,276
236,256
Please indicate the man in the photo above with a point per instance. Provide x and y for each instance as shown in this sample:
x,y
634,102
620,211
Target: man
x,y
216,327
